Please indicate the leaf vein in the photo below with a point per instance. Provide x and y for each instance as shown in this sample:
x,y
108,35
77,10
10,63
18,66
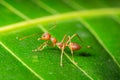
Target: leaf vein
x,y
21,61
17,12
99,40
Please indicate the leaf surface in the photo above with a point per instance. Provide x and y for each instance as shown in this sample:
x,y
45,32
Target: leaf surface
x,y
98,29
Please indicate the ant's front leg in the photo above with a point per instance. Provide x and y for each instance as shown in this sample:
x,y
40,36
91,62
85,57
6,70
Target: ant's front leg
x,y
41,47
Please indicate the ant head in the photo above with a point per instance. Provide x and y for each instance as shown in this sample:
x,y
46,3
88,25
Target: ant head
x,y
45,36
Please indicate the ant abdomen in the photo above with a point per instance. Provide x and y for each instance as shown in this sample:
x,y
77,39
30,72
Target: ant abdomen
x,y
74,46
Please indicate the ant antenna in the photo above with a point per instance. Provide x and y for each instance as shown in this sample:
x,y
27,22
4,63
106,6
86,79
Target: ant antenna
x,y
37,33
29,36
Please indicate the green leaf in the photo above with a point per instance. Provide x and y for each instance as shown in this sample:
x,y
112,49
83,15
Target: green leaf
x,y
96,22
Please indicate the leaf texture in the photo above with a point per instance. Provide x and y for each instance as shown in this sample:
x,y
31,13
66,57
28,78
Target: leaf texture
x,y
96,22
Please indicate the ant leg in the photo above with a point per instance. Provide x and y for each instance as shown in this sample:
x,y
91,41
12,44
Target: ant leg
x,y
41,47
77,36
63,38
70,48
62,51
88,46
74,35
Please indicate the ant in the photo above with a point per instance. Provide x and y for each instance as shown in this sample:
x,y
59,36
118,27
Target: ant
x,y
66,42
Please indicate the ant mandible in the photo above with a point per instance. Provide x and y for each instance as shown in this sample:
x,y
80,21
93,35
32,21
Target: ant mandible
x,y
66,42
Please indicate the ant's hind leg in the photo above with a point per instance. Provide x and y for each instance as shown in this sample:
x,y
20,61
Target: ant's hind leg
x,y
62,51
71,48
76,36
41,47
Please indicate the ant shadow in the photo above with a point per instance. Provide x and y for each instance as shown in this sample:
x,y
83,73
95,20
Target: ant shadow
x,y
51,50
76,53
84,54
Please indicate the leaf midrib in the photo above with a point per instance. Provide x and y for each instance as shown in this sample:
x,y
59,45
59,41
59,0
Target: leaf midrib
x,y
23,63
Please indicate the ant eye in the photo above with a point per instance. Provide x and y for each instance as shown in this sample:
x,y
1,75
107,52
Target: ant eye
x,y
44,35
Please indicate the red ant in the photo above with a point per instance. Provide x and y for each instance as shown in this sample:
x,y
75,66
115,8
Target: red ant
x,y
61,45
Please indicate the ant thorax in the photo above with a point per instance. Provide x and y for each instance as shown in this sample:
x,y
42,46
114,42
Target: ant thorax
x,y
59,45
54,41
